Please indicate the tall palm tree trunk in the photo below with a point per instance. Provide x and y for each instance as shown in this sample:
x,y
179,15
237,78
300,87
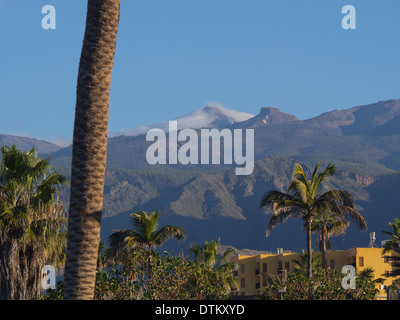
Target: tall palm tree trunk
x,y
90,147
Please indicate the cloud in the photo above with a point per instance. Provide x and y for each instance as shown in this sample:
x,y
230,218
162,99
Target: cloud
x,y
62,142
212,114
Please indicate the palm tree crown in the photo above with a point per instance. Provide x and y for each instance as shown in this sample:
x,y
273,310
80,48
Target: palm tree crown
x,y
304,199
146,232
206,259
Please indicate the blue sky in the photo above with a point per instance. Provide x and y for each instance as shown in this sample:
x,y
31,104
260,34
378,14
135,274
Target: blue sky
x,y
175,56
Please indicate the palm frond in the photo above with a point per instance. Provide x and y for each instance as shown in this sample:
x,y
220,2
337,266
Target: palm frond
x,y
270,197
145,223
145,233
282,214
120,239
167,232
300,190
329,171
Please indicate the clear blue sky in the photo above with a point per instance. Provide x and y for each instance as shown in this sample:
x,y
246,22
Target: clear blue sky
x,y
174,56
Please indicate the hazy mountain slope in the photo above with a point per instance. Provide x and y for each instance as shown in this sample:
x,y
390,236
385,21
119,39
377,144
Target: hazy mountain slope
x,y
26,143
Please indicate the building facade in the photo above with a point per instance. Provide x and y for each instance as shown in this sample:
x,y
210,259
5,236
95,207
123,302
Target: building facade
x,y
250,271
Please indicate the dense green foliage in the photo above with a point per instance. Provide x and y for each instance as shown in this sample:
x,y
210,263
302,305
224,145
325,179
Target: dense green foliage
x,y
325,284
168,277
32,222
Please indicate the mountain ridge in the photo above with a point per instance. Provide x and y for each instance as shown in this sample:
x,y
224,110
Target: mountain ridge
x,y
212,202
27,143
233,214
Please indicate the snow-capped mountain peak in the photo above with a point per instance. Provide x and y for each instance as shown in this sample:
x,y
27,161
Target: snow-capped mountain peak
x,y
211,115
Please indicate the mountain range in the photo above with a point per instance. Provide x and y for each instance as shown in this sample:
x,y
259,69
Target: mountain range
x,y
211,202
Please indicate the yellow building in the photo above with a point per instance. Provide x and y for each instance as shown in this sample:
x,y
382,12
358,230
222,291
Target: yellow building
x,y
250,268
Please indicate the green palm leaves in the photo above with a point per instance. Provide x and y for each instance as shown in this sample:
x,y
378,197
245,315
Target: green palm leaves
x,y
31,222
304,199
207,254
206,259
25,183
393,246
146,232
28,191
394,237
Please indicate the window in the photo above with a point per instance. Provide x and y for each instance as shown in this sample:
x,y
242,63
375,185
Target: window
x,y
279,267
332,264
287,264
265,268
243,283
242,268
361,261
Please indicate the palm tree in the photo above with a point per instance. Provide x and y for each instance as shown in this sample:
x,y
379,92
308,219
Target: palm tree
x,y
330,223
301,266
304,199
368,273
32,219
146,234
206,255
275,286
90,147
394,237
393,246
327,225
206,258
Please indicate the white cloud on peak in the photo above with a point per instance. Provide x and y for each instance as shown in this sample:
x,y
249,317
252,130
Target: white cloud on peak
x,y
211,115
